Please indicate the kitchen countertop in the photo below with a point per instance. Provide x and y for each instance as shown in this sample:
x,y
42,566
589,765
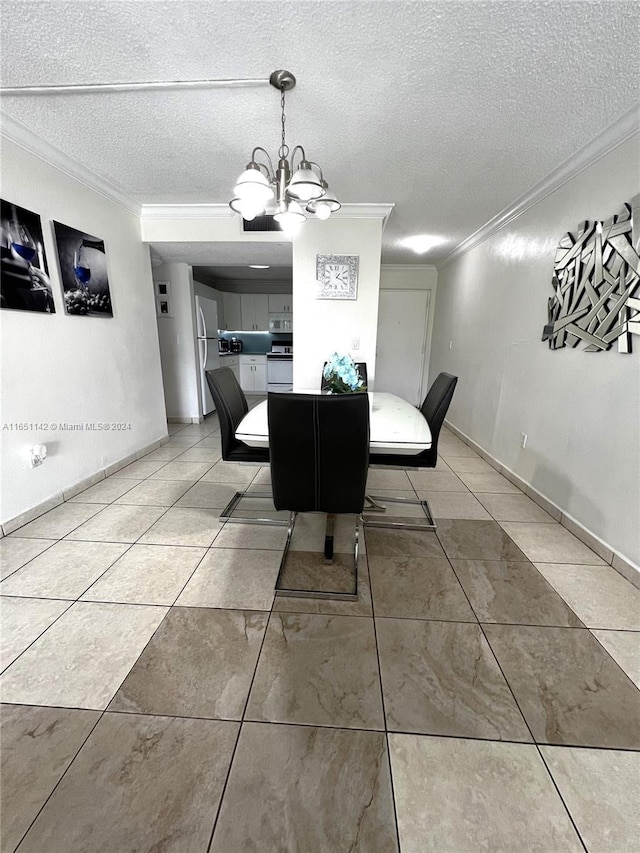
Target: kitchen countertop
x,y
244,352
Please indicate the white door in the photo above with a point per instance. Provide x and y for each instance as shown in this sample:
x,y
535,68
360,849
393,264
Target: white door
x,y
402,337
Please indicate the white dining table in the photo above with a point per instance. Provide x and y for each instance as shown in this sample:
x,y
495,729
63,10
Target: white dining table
x,y
395,426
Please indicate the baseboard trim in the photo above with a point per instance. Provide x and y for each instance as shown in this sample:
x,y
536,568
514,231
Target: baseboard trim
x,y
618,561
13,524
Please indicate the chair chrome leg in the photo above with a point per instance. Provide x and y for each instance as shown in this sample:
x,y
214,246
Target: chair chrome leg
x,y
310,593
226,514
328,539
403,525
373,505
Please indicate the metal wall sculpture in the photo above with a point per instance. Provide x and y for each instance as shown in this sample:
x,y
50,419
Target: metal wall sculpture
x,y
596,280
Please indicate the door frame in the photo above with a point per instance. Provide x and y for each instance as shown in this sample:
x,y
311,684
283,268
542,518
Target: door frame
x,y
428,330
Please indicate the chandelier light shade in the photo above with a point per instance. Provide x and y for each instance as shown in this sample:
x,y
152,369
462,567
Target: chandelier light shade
x,y
290,191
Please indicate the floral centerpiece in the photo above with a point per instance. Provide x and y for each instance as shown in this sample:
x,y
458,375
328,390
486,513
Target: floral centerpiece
x,y
341,375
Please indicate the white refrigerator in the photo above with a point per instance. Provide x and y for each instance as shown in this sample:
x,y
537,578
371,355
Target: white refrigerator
x,y
207,340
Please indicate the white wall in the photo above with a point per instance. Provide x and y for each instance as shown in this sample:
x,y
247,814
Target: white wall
x,y
178,348
581,411
65,369
323,326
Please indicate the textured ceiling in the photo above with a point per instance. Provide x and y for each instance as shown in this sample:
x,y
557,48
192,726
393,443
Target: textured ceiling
x,y
450,110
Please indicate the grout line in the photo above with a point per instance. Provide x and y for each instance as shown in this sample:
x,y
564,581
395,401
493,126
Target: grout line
x,y
384,709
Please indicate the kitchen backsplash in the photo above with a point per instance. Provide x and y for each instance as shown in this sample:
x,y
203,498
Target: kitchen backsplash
x,y
255,342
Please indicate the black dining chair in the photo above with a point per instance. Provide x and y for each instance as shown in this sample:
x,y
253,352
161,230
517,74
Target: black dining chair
x,y
319,447
434,408
361,367
231,406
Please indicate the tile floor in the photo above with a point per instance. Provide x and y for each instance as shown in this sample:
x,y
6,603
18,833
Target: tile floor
x,y
481,694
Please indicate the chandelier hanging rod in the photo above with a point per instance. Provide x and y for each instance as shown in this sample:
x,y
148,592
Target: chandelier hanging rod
x,y
143,86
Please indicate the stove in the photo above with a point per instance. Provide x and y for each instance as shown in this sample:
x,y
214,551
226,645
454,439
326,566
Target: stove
x,y
280,367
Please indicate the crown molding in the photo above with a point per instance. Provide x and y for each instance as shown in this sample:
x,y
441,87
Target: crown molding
x,y
159,212
365,211
25,138
620,131
401,267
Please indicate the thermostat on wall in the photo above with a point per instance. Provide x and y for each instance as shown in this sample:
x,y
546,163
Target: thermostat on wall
x,y
163,298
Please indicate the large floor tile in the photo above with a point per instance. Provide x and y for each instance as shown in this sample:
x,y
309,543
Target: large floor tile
x,y
441,678
155,493
436,481
184,526
454,505
549,543
118,524
139,783
64,571
387,478
387,542
82,659
469,465
417,588
450,445
163,455
476,540
463,796
318,670
600,596
512,592
105,492
601,788
38,744
147,574
253,536
23,620
568,688
209,495
199,664
139,470
200,454
310,791
58,522
624,648
177,470
240,579
489,482
230,472
513,508
14,553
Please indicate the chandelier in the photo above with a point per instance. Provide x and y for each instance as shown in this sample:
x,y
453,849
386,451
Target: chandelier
x,y
289,192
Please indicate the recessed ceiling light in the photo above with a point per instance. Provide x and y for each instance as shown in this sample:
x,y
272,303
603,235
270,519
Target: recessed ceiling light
x,y
259,266
421,243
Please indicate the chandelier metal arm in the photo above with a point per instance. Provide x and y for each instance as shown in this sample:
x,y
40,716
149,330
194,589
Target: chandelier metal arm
x,y
293,155
269,170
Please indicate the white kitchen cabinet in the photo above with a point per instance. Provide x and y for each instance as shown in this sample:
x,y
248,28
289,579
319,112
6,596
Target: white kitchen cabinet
x,y
255,312
280,303
233,362
253,374
232,314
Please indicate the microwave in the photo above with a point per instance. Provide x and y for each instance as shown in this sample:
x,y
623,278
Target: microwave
x,y
280,323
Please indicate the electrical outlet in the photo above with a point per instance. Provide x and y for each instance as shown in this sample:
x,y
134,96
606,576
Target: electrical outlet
x,y
523,439
355,344
450,344
38,454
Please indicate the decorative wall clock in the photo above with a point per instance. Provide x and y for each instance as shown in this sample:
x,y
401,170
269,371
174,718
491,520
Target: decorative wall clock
x,y
337,276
